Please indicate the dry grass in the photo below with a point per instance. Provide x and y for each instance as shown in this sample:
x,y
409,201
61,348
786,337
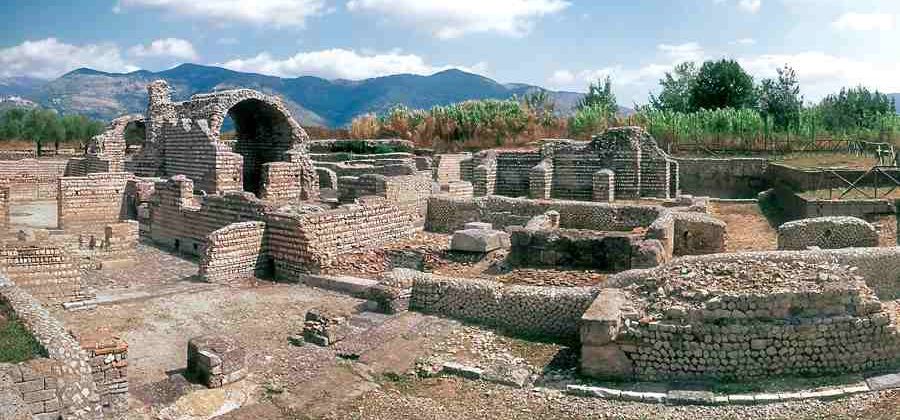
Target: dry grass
x,y
748,229
827,160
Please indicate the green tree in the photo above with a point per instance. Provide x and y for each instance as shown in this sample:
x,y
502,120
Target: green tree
x,y
600,94
722,84
676,89
855,108
779,98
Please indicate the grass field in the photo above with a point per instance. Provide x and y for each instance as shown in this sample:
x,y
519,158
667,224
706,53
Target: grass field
x,y
16,343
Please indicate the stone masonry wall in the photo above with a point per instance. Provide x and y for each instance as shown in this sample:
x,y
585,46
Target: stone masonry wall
x,y
108,357
447,214
75,386
181,221
35,384
32,179
191,150
409,192
551,312
745,335
45,269
302,243
234,253
88,203
827,233
723,178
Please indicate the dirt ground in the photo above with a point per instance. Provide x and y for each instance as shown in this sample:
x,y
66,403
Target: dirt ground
x,y
747,227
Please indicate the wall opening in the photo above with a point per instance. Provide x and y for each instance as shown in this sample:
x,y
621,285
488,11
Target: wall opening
x,y
262,134
135,134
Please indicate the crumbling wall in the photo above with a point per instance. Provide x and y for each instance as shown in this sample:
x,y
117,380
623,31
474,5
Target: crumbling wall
x,y
108,357
513,172
106,151
551,312
181,221
409,192
447,214
189,149
234,253
697,234
447,168
827,233
303,242
75,387
89,203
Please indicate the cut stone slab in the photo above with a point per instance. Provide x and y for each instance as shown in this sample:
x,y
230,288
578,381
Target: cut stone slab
x,y
353,286
461,370
479,240
889,381
478,226
678,396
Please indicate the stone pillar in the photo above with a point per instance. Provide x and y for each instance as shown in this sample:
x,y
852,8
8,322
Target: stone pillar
x,y
483,180
604,185
540,180
602,356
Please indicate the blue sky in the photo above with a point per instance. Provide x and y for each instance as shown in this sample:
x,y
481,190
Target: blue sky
x,y
560,44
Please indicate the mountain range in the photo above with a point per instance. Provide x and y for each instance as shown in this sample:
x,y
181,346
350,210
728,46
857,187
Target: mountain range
x,y
313,100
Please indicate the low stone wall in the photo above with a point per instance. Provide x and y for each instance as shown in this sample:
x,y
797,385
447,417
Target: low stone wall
x,y
448,214
89,203
47,270
697,234
795,206
74,386
551,312
409,192
827,233
605,251
234,253
109,365
723,178
801,179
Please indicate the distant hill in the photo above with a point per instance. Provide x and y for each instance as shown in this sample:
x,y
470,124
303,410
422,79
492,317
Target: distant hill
x,y
313,100
11,102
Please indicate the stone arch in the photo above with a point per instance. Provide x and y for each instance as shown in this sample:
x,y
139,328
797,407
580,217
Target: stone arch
x,y
264,134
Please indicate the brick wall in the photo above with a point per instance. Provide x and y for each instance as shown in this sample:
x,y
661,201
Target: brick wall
x,y
234,253
301,243
513,172
189,149
447,167
36,382
409,192
32,179
108,358
182,222
91,202
46,269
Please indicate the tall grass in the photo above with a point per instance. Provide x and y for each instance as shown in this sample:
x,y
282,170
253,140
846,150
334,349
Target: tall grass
x,y
513,123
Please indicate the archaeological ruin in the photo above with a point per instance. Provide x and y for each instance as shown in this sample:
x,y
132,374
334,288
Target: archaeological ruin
x,y
224,255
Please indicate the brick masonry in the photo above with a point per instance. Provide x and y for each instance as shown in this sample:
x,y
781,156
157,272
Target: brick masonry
x,y
89,203
234,252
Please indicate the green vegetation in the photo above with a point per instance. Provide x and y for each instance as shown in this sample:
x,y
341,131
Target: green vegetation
x,y
44,126
16,342
714,107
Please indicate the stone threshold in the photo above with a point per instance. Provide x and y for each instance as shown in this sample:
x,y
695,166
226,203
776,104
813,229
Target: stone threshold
x,y
681,397
693,397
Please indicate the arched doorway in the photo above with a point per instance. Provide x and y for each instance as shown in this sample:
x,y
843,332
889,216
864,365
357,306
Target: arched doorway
x,y
263,133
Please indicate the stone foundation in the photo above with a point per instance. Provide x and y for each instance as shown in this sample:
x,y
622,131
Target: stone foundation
x,y
216,360
827,233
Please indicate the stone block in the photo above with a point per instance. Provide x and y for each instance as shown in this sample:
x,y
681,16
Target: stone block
x,y
216,360
478,240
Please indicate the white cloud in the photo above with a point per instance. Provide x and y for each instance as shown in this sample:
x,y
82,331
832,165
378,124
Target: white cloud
x,y
279,13
864,22
453,19
341,64
743,41
821,73
750,6
689,51
49,58
167,47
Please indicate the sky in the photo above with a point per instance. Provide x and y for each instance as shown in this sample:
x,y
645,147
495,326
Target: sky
x,y
558,44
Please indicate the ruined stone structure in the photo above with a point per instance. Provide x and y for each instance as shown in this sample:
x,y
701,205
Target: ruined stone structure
x,y
88,203
620,163
216,360
827,233
106,151
62,384
746,316
44,268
